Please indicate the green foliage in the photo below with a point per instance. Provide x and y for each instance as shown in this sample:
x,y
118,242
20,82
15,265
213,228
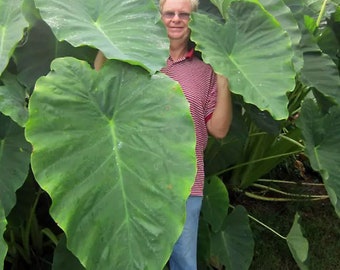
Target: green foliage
x,y
216,203
112,155
106,26
228,239
298,244
233,245
14,160
3,244
321,134
13,99
114,149
12,24
64,259
247,30
29,232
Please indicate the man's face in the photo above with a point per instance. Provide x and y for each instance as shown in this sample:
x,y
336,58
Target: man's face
x,y
176,16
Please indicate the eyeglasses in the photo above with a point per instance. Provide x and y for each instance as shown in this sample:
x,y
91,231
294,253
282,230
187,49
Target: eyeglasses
x,y
171,15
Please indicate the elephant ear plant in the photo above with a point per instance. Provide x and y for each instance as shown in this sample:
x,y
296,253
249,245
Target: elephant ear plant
x,y
96,166
307,30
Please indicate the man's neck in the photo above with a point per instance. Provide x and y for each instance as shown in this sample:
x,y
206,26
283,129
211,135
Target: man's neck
x,y
178,49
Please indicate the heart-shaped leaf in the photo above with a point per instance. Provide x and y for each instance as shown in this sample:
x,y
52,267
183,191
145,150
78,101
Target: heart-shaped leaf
x,y
298,244
253,51
125,30
215,203
234,244
115,149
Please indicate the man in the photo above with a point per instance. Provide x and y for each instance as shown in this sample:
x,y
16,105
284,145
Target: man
x,y
210,107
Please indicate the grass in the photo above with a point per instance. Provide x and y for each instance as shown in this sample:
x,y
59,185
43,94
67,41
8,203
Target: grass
x,y
320,226
323,228
319,222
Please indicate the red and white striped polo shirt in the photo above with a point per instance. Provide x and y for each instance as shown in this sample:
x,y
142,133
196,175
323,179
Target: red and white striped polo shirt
x,y
198,82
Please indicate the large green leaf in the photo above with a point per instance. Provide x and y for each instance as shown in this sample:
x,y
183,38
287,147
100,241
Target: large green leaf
x,y
234,244
298,244
263,152
221,154
12,24
215,203
108,151
203,244
262,120
30,12
34,57
126,30
222,6
328,40
3,245
284,16
14,161
253,51
13,99
322,138
63,259
319,70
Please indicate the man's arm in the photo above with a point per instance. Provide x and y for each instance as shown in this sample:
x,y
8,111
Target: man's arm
x,y
219,123
99,61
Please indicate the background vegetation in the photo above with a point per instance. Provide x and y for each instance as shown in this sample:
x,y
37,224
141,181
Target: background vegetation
x,y
96,166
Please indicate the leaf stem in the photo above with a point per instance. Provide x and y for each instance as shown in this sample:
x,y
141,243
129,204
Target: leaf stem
x,y
322,12
276,199
292,141
258,160
289,182
287,193
27,229
264,225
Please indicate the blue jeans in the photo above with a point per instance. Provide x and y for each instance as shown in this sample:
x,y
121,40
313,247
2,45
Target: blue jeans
x,y
184,254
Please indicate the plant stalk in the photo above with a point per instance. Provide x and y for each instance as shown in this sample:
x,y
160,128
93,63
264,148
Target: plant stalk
x,y
26,234
264,225
288,193
322,12
275,199
258,160
292,141
289,182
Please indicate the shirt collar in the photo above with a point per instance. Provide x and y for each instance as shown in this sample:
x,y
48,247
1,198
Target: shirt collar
x,y
190,54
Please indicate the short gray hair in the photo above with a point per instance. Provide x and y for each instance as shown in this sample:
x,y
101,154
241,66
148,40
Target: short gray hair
x,y
194,4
